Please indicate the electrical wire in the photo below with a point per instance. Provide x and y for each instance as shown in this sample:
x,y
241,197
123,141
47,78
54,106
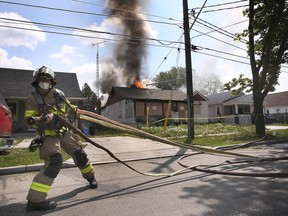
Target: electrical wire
x,y
220,30
219,27
146,14
87,13
221,4
220,40
89,30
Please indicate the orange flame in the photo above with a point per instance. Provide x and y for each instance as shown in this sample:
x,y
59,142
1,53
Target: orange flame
x,y
138,84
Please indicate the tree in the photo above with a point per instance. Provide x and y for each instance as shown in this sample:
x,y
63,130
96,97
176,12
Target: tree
x,y
267,49
175,78
209,84
91,101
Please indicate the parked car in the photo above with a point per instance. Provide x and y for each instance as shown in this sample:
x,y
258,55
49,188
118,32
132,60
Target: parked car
x,y
6,142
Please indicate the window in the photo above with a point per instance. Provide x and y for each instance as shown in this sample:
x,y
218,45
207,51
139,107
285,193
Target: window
x,y
197,109
13,107
218,111
229,110
128,109
277,110
120,109
154,108
243,109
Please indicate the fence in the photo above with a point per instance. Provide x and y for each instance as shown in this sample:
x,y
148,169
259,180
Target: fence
x,y
279,118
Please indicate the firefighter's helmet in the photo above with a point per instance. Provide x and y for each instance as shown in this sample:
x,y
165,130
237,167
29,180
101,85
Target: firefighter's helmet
x,y
43,72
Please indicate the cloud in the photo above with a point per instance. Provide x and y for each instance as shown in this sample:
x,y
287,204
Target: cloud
x,y
13,36
14,62
95,33
66,54
86,74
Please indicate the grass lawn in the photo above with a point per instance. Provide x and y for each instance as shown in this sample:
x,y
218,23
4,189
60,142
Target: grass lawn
x,y
205,135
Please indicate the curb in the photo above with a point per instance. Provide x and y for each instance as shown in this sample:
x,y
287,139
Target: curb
x,y
65,165
251,144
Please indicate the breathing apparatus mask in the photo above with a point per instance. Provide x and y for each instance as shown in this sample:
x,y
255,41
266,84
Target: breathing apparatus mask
x,y
44,85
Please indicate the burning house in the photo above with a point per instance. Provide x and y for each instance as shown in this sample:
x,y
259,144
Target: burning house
x,y
132,105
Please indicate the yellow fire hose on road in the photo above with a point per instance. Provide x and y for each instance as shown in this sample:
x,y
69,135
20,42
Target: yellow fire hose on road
x,y
96,118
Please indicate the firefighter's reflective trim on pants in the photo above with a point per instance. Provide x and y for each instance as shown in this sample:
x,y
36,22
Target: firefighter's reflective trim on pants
x,y
29,113
40,187
87,169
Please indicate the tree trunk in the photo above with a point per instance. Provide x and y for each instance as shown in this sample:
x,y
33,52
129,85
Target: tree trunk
x,y
258,114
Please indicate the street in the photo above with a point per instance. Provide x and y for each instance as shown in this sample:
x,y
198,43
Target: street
x,y
123,192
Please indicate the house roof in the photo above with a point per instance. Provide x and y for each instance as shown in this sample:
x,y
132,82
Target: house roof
x,y
244,99
16,83
152,94
277,99
222,97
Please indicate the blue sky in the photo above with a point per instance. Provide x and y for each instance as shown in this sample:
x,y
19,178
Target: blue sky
x,y
67,53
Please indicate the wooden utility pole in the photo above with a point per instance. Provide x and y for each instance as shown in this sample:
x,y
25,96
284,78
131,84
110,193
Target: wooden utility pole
x,y
190,113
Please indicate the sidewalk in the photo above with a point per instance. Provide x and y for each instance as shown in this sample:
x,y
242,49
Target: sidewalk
x,y
124,148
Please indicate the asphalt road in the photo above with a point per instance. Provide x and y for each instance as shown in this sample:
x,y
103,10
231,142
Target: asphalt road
x,y
123,192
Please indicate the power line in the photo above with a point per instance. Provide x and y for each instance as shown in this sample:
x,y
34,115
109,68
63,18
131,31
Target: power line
x,y
220,30
221,9
220,40
146,14
221,4
84,30
86,13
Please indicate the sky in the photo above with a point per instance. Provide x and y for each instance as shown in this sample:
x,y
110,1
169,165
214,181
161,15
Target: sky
x,y
66,36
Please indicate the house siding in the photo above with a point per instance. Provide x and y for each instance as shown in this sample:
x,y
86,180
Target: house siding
x,y
277,109
201,117
153,104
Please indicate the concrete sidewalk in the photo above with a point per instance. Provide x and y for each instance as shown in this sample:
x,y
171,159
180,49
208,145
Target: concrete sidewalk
x,y
124,148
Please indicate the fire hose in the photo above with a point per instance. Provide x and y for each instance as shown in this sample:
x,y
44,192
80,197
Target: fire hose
x,y
106,122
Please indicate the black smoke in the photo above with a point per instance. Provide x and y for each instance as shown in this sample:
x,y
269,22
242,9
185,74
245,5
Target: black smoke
x,y
130,52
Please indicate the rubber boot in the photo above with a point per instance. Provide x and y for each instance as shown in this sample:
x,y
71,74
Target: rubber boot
x,y
42,206
93,183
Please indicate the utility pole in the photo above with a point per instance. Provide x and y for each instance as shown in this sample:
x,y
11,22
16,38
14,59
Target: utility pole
x,y
97,72
190,110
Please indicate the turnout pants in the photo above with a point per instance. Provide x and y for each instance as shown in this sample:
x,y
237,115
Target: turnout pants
x,y
50,152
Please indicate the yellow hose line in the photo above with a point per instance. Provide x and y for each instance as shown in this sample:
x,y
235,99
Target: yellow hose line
x,y
78,132
140,133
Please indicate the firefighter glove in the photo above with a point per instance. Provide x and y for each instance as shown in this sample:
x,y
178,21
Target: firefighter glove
x,y
35,143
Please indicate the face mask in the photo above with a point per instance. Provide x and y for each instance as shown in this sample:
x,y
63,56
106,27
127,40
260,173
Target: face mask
x,y
44,85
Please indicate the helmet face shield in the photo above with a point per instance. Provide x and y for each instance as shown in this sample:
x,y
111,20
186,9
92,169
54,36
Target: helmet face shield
x,y
43,73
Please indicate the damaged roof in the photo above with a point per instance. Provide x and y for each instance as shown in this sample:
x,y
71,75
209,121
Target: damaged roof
x,y
150,94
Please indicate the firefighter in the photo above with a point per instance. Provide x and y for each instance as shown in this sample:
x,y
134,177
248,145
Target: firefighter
x,y
51,137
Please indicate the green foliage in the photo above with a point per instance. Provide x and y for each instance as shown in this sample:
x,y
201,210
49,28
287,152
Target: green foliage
x,y
172,79
238,85
22,156
91,101
267,48
267,45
